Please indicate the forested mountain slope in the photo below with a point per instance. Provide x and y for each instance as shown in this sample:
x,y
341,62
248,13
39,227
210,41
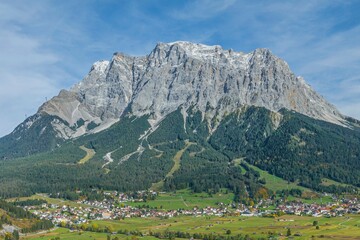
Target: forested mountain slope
x,y
178,118
287,144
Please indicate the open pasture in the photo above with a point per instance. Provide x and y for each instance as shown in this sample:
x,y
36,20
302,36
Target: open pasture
x,y
185,199
347,227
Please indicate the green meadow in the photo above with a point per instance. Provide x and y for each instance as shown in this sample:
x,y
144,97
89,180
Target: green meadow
x,y
66,234
347,227
185,199
272,182
57,201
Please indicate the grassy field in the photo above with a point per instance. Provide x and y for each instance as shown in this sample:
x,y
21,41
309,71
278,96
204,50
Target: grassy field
x,y
347,227
57,201
89,154
273,182
328,182
317,199
185,199
66,234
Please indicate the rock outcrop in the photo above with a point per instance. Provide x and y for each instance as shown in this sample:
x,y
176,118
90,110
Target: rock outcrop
x,y
183,74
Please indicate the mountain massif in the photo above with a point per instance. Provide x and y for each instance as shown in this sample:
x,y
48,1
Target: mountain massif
x,y
185,116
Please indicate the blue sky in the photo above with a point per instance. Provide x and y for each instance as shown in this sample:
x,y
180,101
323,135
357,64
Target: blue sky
x,y
46,46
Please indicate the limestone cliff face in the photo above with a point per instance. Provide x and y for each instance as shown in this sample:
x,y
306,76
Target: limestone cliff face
x,y
182,74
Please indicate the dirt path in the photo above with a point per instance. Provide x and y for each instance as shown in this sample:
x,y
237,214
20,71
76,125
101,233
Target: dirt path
x,y
38,233
184,201
349,218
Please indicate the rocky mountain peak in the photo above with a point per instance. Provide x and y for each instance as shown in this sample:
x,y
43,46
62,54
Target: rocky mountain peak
x,y
100,66
211,79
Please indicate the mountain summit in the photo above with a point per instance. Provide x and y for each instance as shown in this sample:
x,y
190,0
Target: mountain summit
x,y
183,74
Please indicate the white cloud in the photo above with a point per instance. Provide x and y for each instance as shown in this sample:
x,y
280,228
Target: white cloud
x,y
202,9
21,95
25,66
307,36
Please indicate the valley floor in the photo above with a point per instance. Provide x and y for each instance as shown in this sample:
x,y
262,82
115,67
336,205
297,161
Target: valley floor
x,y
184,215
346,227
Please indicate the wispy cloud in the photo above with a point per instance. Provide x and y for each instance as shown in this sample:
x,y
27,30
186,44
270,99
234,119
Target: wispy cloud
x,y
46,47
23,81
319,39
201,9
33,63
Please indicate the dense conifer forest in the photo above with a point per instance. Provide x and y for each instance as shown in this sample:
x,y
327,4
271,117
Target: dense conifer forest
x,y
296,148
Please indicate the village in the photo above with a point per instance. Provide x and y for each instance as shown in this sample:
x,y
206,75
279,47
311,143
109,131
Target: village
x,y
117,207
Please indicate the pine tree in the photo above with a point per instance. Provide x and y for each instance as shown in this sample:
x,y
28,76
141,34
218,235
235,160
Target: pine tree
x,y
288,232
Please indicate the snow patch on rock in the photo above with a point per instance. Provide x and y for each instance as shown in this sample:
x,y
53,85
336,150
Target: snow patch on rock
x,y
180,74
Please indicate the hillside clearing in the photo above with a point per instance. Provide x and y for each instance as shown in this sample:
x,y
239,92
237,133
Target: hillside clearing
x,y
273,182
329,182
177,158
89,154
57,201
